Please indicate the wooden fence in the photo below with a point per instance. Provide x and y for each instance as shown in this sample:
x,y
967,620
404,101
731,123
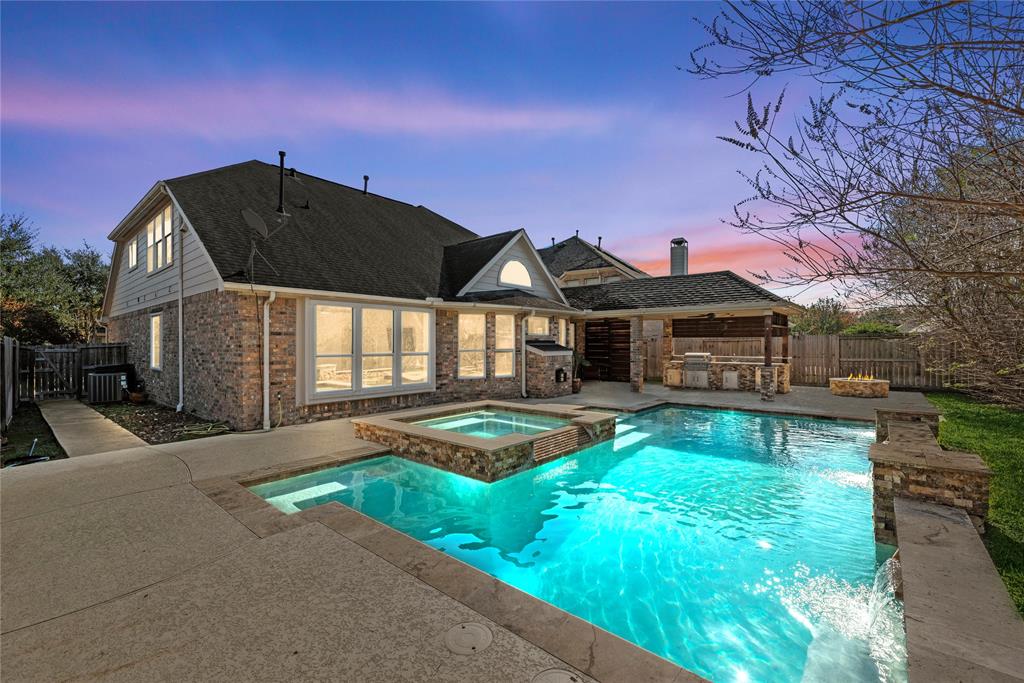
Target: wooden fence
x,y
48,372
816,358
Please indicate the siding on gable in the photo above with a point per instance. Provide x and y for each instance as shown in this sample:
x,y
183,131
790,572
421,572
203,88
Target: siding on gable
x,y
136,289
519,251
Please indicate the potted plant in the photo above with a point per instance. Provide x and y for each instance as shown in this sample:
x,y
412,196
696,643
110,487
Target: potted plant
x,y
578,363
138,395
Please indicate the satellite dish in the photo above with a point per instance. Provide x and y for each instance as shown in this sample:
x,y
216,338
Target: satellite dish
x,y
255,223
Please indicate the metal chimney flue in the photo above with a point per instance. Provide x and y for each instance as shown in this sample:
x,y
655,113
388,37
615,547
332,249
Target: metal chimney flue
x,y
366,183
680,257
280,184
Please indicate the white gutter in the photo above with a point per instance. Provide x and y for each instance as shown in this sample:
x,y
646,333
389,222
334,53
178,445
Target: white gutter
x,y
266,359
181,314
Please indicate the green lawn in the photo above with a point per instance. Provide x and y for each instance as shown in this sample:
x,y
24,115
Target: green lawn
x,y
997,435
26,425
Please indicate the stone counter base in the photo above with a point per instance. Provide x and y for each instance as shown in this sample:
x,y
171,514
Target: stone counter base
x,y
859,388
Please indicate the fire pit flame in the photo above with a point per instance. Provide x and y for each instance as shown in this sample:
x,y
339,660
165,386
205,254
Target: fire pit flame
x,y
861,377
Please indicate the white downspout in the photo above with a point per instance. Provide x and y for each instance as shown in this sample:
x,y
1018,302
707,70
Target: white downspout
x,y
522,354
266,360
181,316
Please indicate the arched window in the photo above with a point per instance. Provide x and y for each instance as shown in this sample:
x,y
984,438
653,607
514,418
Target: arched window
x,y
514,273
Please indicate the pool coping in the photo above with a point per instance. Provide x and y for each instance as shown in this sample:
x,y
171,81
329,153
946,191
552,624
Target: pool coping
x,y
582,645
662,402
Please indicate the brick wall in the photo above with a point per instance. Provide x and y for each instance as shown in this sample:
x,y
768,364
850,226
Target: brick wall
x,y
541,371
223,362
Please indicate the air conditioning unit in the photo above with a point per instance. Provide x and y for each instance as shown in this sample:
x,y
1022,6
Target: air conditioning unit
x,y
106,387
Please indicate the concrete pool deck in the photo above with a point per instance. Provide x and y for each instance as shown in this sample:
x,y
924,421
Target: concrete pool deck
x,y
118,566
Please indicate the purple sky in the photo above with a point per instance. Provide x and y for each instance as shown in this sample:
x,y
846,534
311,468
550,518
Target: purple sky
x,y
549,117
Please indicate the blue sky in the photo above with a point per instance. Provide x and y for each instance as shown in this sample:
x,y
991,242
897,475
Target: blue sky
x,y
552,117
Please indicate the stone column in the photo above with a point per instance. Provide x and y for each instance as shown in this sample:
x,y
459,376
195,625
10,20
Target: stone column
x,y
767,371
666,341
637,355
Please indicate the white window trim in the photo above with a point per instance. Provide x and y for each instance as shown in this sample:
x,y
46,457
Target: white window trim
x,y
159,361
459,349
500,349
358,391
512,284
166,243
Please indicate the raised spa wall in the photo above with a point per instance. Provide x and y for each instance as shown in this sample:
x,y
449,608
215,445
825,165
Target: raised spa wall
x,y
487,460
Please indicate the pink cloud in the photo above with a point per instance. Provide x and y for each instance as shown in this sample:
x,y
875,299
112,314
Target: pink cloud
x,y
277,106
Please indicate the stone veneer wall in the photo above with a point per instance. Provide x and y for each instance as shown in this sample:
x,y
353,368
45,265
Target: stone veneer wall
x,y
747,375
910,464
540,375
223,363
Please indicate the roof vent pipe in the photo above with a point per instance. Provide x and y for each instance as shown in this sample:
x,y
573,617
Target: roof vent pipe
x,y
598,241
280,186
577,232
366,183
552,241
679,257
291,172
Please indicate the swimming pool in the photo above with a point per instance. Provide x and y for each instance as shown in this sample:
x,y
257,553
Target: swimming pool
x,y
737,545
489,424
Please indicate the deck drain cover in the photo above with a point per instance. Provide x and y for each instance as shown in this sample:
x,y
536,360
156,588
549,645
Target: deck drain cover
x,y
468,638
557,676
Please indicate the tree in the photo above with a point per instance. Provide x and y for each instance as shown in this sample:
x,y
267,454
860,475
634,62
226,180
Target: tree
x,y
47,295
903,182
824,316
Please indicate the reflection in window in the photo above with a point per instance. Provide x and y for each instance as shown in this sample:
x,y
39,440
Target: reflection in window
x,y
415,347
514,273
537,325
563,337
378,341
333,362
159,245
472,344
504,345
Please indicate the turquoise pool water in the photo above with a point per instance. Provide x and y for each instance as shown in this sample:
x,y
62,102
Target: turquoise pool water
x,y
492,423
737,545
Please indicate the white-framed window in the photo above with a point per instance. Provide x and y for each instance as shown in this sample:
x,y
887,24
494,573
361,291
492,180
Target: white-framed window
x,y
504,345
133,253
159,241
563,332
515,274
415,347
155,341
537,326
472,346
357,349
378,335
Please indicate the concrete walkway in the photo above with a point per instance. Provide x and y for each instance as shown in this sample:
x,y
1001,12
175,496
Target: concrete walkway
x,y
115,566
80,430
811,401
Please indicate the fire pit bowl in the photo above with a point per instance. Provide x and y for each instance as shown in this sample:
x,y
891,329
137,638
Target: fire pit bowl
x,y
858,387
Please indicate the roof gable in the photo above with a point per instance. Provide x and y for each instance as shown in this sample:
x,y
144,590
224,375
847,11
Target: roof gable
x,y
519,248
575,253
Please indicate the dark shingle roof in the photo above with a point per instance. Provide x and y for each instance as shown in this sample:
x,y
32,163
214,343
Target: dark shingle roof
x,y
578,254
513,297
700,289
337,238
464,260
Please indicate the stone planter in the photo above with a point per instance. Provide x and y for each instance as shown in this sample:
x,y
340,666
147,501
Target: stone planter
x,y
859,388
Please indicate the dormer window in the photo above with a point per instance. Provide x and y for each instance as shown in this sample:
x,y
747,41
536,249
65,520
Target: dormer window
x,y
515,274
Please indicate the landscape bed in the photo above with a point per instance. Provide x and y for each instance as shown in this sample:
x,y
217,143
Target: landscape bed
x,y
737,545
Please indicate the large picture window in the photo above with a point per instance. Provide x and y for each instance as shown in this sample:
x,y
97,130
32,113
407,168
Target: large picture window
x,y
159,241
472,345
504,346
358,349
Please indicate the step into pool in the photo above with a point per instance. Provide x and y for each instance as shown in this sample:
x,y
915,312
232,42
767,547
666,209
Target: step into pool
x,y
737,545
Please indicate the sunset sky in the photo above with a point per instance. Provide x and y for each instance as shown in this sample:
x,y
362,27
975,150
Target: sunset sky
x,y
548,117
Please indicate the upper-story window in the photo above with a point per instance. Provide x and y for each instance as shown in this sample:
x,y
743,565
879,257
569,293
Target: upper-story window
x,y
160,247
133,253
514,273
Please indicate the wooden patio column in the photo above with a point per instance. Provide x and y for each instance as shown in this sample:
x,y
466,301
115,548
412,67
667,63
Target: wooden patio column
x,y
768,372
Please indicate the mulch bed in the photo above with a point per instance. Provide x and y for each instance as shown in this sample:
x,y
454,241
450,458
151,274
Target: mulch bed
x,y
159,424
